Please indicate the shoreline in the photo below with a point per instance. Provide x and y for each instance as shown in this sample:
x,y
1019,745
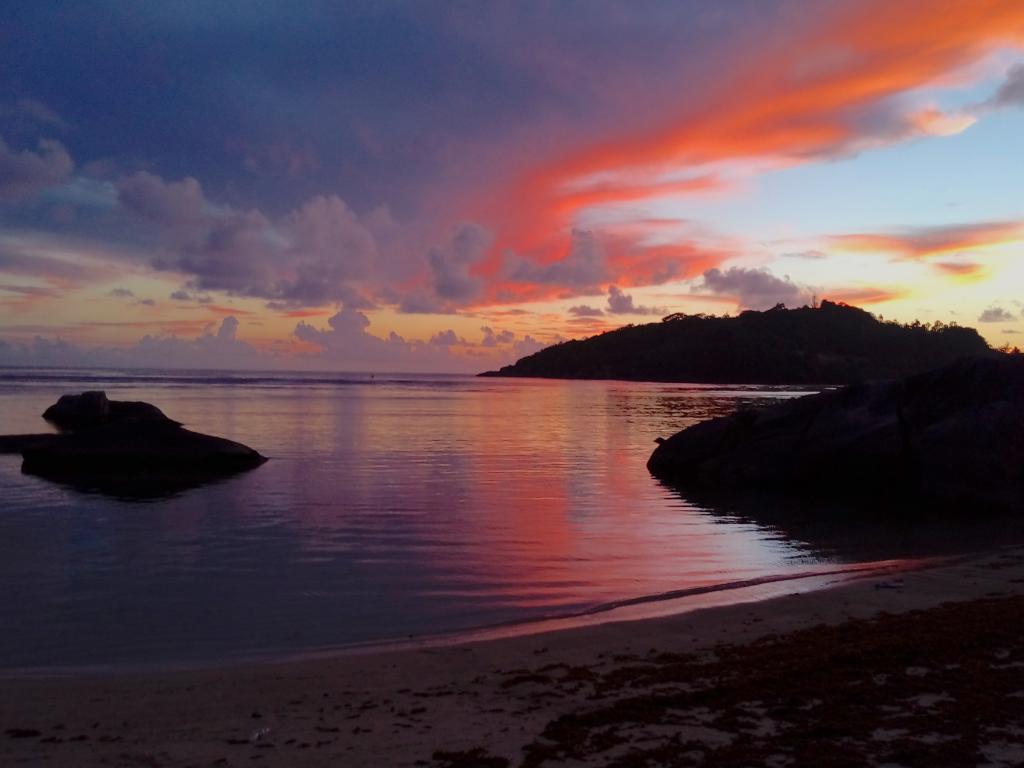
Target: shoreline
x,y
632,609
443,705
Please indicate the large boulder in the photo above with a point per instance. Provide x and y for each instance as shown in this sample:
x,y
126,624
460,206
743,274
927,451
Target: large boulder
x,y
952,437
125,448
119,448
91,409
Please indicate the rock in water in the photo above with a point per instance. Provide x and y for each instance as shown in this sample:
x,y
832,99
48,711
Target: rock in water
x,y
90,409
952,437
126,448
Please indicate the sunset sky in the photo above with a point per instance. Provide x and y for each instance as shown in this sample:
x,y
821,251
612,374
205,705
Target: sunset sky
x,y
449,186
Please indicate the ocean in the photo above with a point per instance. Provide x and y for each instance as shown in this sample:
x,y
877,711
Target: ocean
x,y
392,507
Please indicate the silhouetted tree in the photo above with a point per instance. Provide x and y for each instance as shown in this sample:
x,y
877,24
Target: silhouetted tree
x,y
831,344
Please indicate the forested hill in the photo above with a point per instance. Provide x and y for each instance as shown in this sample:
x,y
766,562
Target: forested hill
x,y
829,344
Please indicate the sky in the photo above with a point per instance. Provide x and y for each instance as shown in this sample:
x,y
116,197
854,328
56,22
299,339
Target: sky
x,y
450,186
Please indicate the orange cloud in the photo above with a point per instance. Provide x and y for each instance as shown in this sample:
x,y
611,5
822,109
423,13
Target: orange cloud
x,y
926,242
937,123
567,203
168,325
224,311
300,313
19,299
637,265
861,296
958,267
963,271
829,92
775,107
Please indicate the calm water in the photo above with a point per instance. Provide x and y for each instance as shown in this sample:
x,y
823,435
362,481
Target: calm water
x,y
394,507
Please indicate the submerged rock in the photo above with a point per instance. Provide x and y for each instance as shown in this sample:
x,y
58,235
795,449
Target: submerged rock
x,y
952,437
125,448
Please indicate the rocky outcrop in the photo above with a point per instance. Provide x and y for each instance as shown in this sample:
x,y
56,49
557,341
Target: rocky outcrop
x,y
952,437
19,443
91,409
126,448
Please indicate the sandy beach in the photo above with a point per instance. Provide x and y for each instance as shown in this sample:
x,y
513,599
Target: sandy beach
x,y
905,668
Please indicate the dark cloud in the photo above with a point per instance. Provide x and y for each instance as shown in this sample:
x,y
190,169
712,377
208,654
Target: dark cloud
x,y
347,343
209,350
28,259
374,100
445,339
527,346
312,255
347,336
1011,92
122,293
30,291
306,154
996,314
27,118
183,294
169,203
492,339
420,303
752,288
451,265
228,328
582,270
620,303
583,310
41,114
25,172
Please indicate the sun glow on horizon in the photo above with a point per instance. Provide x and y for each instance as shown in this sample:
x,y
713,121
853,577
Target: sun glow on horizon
x,y
863,152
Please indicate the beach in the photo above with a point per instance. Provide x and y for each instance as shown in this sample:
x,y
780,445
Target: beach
x,y
906,667
512,385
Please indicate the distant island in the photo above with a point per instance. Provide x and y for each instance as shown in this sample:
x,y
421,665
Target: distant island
x,y
828,344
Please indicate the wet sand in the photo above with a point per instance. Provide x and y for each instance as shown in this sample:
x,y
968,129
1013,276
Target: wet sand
x,y
919,667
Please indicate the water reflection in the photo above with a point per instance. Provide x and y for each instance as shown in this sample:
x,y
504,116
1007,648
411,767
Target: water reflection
x,y
858,527
405,506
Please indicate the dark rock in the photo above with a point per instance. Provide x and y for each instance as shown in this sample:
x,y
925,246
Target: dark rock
x,y
125,448
129,447
22,733
952,437
19,443
90,409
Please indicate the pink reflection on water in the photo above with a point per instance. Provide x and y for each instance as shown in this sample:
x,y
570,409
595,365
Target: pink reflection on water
x,y
401,507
